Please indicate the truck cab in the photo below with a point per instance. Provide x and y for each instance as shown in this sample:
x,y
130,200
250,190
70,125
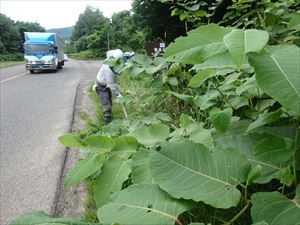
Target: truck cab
x,y
43,51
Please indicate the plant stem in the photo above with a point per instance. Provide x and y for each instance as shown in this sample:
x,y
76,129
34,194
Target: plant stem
x,y
186,26
295,151
258,104
238,215
262,22
282,192
217,88
178,222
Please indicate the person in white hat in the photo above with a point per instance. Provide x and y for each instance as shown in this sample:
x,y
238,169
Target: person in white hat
x,y
106,84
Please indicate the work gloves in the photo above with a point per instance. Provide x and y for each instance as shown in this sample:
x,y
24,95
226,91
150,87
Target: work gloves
x,y
94,86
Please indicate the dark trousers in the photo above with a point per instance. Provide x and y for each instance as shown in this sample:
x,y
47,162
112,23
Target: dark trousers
x,y
104,94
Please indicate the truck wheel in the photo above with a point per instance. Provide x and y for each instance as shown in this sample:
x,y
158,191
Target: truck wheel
x,y
59,66
31,71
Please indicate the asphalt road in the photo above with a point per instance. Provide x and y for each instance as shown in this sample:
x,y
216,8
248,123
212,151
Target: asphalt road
x,y
35,110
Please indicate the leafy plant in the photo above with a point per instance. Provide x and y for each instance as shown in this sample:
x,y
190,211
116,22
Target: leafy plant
x,y
217,131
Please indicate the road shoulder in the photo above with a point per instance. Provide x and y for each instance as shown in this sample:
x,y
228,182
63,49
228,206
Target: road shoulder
x,y
70,201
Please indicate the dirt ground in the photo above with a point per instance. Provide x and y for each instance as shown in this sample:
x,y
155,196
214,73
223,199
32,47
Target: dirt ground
x,y
70,202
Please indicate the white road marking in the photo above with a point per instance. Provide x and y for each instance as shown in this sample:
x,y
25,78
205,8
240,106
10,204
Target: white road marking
x,y
14,77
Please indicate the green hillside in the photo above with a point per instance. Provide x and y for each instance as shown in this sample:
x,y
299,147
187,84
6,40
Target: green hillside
x,y
65,32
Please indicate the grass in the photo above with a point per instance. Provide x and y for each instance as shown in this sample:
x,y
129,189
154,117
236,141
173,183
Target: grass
x,y
10,63
117,111
90,213
98,110
96,122
85,55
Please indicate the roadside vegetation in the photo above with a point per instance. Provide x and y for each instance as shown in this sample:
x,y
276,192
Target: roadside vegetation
x,y
94,34
10,63
213,128
12,37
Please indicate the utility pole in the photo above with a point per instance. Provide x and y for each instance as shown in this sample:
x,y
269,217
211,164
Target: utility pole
x,y
108,47
108,44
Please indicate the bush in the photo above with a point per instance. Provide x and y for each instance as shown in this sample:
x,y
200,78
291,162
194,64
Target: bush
x,y
11,57
88,54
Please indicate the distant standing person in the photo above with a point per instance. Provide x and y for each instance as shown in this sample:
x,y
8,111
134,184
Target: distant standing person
x,y
107,84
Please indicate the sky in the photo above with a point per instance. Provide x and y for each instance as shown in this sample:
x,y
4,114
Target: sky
x,y
57,13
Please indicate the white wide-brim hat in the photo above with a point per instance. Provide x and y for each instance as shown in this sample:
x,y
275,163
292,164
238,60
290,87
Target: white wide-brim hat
x,y
116,53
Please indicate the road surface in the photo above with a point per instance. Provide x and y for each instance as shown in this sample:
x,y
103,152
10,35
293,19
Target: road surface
x,y
35,110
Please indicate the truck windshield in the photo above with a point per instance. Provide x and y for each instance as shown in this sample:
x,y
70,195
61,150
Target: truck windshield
x,y
37,48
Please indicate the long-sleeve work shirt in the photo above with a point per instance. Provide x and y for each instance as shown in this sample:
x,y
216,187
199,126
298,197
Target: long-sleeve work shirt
x,y
108,78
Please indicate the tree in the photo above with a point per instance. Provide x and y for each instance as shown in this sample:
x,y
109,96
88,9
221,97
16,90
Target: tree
x,y
279,18
97,42
88,22
155,19
9,37
97,34
22,27
12,36
124,33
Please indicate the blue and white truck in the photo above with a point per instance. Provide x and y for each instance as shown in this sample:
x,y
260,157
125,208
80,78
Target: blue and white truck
x,y
43,51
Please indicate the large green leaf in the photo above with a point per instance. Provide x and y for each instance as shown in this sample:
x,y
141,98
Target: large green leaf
x,y
238,102
220,118
143,204
275,208
253,174
241,42
249,86
261,223
39,218
190,129
190,171
114,172
185,120
273,149
142,59
134,71
200,44
172,81
183,97
202,136
246,144
286,176
140,164
265,118
207,100
163,116
219,62
102,143
151,135
277,74
294,23
200,77
151,69
83,169
70,140
125,146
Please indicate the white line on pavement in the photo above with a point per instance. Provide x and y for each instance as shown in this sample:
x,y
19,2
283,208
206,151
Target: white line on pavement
x,y
14,77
